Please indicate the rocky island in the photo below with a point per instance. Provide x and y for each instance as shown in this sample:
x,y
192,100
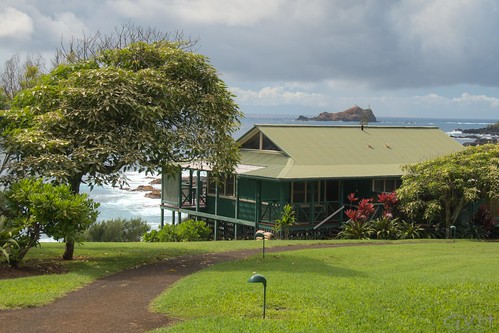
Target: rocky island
x,y
355,113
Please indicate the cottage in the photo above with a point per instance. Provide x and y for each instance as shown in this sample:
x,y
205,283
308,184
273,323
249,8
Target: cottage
x,y
312,168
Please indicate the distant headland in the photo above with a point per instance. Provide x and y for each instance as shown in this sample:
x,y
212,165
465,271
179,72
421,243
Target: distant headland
x,y
355,113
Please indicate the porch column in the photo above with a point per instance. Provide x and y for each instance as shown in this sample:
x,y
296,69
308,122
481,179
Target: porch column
x,y
258,202
179,175
162,218
312,203
282,202
341,184
190,186
236,208
198,188
217,197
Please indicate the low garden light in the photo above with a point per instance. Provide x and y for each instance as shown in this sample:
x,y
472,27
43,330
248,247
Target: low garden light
x,y
257,278
262,235
453,231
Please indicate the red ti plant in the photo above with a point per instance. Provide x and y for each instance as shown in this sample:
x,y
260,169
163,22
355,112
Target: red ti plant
x,y
389,201
364,210
351,197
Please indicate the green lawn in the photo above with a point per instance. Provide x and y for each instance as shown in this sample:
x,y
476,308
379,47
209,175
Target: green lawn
x,y
94,260
432,286
419,286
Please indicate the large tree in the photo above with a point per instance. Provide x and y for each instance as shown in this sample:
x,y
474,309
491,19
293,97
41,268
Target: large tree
x,y
437,190
145,107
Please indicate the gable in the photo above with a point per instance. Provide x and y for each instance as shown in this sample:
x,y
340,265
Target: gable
x,y
258,141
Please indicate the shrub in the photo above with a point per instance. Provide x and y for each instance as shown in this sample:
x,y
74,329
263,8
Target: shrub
x,y
117,230
187,231
166,234
191,230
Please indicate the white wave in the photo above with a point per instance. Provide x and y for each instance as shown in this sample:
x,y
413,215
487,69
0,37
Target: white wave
x,y
126,203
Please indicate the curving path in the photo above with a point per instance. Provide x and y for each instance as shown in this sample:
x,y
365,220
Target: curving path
x,y
119,302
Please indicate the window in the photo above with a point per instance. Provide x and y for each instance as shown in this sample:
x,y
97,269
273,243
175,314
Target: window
x,y
299,193
385,185
302,191
332,190
227,188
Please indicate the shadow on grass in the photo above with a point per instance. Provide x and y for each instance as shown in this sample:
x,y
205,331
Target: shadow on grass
x,y
292,263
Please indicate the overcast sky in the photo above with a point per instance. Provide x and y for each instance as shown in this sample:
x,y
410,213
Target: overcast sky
x,y
407,58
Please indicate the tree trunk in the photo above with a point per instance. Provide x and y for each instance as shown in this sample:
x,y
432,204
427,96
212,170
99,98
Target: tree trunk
x,y
75,183
448,218
34,237
68,253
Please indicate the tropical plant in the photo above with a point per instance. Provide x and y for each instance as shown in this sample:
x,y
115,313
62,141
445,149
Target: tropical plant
x,y
390,202
353,229
358,225
287,219
386,228
410,230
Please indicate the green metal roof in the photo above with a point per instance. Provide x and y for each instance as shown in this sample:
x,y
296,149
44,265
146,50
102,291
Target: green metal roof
x,y
342,151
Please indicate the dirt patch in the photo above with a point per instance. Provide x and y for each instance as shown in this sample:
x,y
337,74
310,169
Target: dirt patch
x,y
31,268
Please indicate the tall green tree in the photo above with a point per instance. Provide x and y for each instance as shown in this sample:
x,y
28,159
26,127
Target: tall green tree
x,y
145,107
438,190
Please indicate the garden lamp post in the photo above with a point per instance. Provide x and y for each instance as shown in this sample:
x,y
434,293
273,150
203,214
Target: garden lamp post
x,y
453,230
261,234
257,278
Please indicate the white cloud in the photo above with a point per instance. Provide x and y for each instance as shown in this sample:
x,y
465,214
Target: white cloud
x,y
225,12
432,99
62,24
15,24
464,100
467,99
278,95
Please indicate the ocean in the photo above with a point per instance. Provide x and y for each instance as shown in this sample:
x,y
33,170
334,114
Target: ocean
x,y
116,203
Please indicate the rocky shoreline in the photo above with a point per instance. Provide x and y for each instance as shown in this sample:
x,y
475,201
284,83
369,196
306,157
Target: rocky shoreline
x,y
480,136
